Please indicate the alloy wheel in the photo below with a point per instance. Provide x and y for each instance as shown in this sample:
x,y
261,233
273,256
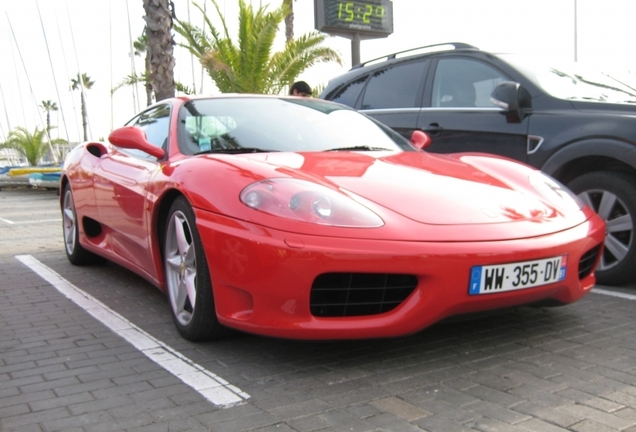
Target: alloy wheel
x,y
69,222
181,268
620,225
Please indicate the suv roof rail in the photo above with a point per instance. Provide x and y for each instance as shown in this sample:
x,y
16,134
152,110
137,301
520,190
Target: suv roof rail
x,y
427,48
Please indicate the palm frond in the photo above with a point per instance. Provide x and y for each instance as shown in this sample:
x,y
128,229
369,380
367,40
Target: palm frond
x,y
32,146
132,79
247,64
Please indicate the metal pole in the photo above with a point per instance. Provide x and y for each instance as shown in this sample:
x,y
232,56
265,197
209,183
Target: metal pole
x,y
355,49
575,32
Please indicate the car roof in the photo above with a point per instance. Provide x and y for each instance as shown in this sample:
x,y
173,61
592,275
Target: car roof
x,y
235,96
419,51
181,99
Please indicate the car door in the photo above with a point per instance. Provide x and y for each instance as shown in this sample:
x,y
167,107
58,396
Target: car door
x,y
393,95
458,115
121,188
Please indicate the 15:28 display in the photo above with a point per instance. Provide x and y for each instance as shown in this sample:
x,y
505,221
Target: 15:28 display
x,y
350,11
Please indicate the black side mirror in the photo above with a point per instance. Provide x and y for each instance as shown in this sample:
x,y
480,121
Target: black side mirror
x,y
513,99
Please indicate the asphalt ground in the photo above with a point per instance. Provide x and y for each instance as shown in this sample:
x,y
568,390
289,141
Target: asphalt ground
x,y
94,348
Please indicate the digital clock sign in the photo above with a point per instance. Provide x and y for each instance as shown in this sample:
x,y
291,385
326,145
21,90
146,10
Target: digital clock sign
x,y
367,18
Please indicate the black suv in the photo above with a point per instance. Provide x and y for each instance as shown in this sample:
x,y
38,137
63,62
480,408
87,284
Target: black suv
x,y
578,126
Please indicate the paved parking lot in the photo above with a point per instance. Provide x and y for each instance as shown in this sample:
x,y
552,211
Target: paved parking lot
x,y
571,368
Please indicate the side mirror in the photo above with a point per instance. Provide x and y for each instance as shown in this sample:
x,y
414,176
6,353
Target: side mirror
x,y
130,137
420,139
513,99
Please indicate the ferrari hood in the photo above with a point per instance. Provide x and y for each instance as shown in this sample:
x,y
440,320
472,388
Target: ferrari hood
x,y
427,188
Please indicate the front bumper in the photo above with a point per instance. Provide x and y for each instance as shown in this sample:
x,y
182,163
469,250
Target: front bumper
x,y
262,278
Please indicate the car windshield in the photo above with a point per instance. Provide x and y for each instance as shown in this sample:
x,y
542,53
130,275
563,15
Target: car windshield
x,y
575,82
251,124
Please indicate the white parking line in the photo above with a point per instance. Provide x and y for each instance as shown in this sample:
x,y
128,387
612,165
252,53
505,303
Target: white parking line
x,y
210,386
38,221
614,293
10,222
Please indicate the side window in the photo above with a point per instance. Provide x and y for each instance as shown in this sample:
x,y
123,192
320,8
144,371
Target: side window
x,y
155,123
464,83
394,87
349,94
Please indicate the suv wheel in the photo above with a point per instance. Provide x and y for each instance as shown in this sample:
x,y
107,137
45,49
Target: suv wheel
x,y
613,196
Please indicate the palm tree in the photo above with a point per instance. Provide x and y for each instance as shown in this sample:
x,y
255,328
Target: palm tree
x,y
83,83
33,146
160,47
250,66
48,106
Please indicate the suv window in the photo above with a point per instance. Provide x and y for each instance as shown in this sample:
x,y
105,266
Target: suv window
x,y
349,94
394,87
464,83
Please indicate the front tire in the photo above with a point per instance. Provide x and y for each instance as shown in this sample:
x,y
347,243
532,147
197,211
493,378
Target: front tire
x,y
76,254
613,196
188,279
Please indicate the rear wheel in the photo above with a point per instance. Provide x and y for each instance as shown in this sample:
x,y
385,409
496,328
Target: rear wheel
x,y
187,276
613,196
74,251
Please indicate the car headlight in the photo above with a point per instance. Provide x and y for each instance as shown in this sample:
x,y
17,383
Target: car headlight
x,y
555,192
308,202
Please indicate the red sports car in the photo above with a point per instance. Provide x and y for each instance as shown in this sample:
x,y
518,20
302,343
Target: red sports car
x,y
301,218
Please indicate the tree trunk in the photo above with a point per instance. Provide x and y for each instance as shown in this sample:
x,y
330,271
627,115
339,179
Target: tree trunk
x,y
289,21
160,47
148,83
84,115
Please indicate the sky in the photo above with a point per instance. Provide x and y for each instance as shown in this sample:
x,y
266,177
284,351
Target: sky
x,y
45,43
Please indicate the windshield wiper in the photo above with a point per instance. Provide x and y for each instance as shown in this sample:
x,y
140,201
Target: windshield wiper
x,y
587,98
236,150
359,148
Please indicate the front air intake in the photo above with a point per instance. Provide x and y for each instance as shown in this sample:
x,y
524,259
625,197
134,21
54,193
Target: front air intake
x,y
356,294
587,262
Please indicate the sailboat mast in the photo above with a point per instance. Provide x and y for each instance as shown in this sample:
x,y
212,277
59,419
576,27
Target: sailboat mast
x,y
26,74
15,68
68,74
110,58
133,72
48,51
80,76
4,105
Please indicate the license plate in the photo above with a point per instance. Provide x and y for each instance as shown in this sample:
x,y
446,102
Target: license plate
x,y
515,276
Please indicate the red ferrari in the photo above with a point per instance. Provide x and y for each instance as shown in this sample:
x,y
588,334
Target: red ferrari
x,y
301,218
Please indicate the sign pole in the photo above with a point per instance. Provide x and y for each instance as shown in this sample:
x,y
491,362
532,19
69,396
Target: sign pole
x,y
355,49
